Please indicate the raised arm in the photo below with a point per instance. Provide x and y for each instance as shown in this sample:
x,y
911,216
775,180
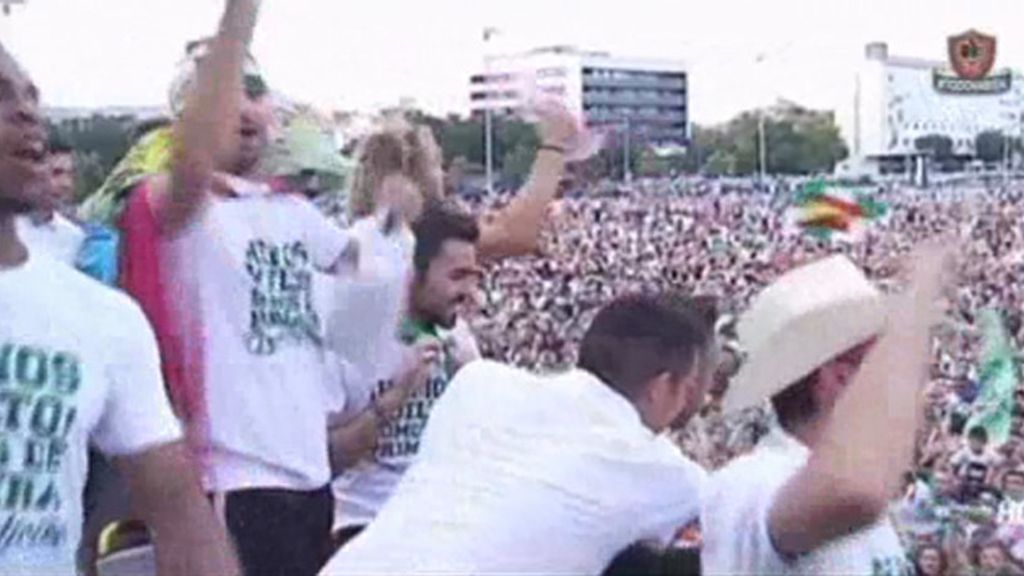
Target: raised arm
x,y
515,230
869,442
165,489
208,128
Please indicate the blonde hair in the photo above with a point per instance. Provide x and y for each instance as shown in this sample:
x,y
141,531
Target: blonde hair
x,y
398,149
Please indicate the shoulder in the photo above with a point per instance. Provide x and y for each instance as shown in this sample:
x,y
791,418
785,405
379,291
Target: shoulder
x,y
488,372
116,311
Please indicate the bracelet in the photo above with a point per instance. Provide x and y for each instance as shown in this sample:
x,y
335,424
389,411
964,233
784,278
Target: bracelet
x,y
552,148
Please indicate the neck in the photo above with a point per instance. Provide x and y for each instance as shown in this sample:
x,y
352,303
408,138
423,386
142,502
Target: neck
x,y
808,432
12,251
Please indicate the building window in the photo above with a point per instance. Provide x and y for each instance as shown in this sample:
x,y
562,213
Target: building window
x,y
551,73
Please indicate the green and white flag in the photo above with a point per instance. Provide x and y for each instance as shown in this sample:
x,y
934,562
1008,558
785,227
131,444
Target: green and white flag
x,y
998,375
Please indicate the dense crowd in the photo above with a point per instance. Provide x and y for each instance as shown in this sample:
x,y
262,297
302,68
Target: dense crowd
x,y
679,234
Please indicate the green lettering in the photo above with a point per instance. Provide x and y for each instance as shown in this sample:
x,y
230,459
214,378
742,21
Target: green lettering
x,y
35,455
46,416
6,352
55,456
13,403
49,499
67,375
5,452
30,367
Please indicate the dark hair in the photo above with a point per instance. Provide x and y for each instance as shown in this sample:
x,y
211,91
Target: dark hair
x,y
638,337
59,145
796,404
977,433
438,224
644,560
943,561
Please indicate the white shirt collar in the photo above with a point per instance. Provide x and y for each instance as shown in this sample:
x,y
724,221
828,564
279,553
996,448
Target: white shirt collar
x,y
600,401
244,188
783,442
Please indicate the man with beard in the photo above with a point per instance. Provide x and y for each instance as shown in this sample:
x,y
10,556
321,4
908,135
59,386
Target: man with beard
x,y
376,449
844,373
234,303
522,474
79,366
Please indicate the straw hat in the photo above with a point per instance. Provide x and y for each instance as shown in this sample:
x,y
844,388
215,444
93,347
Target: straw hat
x,y
797,324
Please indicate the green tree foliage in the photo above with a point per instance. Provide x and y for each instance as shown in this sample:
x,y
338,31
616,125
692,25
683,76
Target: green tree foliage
x,y
799,141
939,146
990,146
99,142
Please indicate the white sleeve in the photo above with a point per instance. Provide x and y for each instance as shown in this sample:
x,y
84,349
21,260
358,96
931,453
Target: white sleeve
x,y
326,240
366,307
734,523
136,415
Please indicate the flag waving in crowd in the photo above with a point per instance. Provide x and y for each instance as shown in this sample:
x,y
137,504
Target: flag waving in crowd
x,y
832,211
994,407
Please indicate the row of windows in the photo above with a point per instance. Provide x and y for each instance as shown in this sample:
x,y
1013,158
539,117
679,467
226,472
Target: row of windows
x,y
635,94
512,94
508,77
613,74
962,143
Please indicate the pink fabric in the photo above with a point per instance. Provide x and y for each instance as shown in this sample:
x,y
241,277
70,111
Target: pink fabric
x,y
144,274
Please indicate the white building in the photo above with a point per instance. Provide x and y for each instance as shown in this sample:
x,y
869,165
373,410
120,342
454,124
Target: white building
x,y
895,102
649,97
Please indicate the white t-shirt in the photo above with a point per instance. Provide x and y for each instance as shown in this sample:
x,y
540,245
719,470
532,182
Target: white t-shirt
x,y
522,474
78,364
243,282
360,492
60,238
734,522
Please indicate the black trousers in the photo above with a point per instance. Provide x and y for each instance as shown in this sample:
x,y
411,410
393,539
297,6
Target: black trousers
x,y
281,532
105,501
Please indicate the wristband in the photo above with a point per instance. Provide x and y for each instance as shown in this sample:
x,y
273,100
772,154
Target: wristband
x,y
552,148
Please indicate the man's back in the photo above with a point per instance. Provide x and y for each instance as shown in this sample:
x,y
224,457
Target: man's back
x,y
735,514
518,473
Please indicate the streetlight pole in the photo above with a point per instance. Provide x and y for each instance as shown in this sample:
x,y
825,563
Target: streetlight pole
x,y
761,147
488,115
627,172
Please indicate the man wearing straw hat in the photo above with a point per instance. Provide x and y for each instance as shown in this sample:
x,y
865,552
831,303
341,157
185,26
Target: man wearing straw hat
x,y
843,369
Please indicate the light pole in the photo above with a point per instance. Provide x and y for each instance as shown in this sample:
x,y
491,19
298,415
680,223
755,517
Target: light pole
x,y
488,115
762,142
627,172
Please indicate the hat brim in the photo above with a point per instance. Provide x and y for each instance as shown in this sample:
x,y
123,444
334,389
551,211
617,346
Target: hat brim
x,y
801,346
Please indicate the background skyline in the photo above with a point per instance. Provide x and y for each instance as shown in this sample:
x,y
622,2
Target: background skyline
x,y
346,56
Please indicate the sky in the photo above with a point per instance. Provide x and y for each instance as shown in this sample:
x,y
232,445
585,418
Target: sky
x,y
348,55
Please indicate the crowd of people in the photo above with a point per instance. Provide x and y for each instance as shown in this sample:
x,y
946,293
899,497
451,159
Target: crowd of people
x,y
286,395
684,233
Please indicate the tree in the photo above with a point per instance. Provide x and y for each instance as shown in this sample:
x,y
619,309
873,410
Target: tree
x,y
939,146
990,146
99,142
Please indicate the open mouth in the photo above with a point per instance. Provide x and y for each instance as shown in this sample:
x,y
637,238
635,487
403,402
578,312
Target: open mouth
x,y
32,153
248,132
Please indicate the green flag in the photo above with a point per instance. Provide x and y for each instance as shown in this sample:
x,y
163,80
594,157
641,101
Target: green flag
x,y
998,377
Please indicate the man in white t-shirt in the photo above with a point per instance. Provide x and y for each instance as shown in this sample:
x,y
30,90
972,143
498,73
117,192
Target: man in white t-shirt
x,y
374,451
523,474
975,464
47,229
240,319
79,365
844,374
